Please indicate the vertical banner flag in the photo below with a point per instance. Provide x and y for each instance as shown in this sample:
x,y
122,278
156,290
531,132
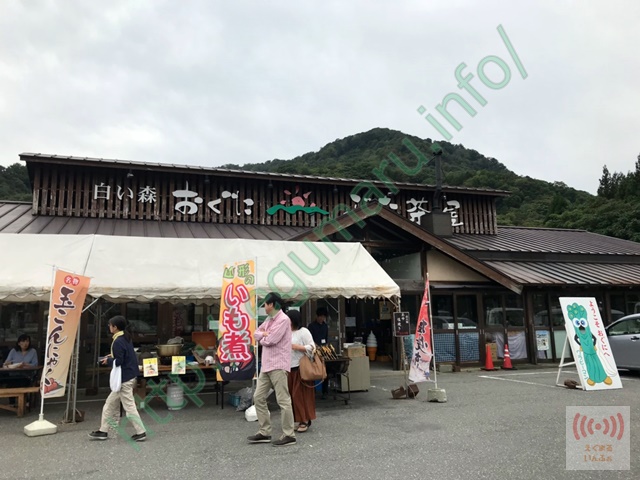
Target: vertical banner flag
x,y
236,341
65,307
589,343
419,370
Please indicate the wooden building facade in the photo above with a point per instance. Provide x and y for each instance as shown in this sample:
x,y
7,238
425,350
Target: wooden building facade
x,y
490,284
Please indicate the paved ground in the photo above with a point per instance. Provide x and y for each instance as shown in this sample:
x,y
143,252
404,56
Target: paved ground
x,y
495,425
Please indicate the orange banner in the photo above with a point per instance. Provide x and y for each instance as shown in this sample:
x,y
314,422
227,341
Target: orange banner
x,y
236,341
65,307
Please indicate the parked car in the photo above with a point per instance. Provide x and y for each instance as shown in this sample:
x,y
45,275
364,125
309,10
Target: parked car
x,y
624,339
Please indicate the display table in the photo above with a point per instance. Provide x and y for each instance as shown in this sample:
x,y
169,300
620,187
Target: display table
x,y
159,385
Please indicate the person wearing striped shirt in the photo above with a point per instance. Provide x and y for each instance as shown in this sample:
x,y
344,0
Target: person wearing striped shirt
x,y
274,337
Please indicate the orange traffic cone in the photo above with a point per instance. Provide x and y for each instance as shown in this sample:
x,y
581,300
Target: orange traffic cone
x,y
506,365
488,362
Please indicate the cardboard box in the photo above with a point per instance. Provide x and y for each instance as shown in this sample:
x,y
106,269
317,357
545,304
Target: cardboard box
x,y
355,351
494,351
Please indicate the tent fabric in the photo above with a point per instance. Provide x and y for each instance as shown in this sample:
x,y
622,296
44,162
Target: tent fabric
x,y
186,270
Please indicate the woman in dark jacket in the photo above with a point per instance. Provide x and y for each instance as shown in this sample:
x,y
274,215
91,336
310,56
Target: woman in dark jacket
x,y
122,355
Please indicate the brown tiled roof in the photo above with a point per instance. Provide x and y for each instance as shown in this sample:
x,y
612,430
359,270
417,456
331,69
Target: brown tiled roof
x,y
564,273
133,165
545,240
16,217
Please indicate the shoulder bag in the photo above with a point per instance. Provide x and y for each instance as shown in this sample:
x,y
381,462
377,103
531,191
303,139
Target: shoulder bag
x,y
312,368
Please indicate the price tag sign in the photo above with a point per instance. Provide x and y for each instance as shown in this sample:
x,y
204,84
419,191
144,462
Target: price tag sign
x,y
401,324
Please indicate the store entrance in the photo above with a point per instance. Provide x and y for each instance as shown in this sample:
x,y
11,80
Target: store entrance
x,y
456,333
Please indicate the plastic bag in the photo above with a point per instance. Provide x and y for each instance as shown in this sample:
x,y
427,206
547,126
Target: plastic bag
x,y
250,414
246,399
115,379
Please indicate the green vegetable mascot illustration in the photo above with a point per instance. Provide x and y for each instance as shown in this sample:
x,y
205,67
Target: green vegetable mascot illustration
x,y
587,341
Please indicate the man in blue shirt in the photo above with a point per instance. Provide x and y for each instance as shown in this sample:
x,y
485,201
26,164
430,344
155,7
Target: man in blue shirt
x,y
320,333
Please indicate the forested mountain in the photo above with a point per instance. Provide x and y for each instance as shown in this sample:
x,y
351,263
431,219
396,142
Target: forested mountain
x,y
614,211
532,202
14,183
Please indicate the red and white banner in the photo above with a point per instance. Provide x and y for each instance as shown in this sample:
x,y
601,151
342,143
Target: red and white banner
x,y
236,341
419,370
65,307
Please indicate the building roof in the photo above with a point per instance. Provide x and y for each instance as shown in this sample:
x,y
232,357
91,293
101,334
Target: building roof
x,y
133,165
545,240
561,273
515,256
16,217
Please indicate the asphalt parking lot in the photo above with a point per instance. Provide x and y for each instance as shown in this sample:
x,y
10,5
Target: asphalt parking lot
x,y
494,425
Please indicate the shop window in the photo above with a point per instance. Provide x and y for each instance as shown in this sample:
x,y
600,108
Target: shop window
x,y
493,314
467,311
442,314
514,311
618,304
633,304
541,310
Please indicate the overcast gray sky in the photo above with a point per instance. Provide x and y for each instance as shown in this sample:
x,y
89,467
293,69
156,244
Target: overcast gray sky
x,y
214,82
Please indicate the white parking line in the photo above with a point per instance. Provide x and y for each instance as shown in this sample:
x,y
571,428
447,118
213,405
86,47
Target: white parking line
x,y
501,377
516,381
536,373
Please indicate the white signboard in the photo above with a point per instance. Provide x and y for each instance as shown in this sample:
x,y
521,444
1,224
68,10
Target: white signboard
x,y
589,343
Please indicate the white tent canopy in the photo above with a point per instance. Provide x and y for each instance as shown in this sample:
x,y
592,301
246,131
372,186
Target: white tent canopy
x,y
186,270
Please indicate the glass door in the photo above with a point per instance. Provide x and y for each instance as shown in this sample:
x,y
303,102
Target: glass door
x,y
467,328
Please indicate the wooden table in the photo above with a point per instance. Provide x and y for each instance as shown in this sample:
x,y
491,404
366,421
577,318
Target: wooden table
x,y
20,393
21,373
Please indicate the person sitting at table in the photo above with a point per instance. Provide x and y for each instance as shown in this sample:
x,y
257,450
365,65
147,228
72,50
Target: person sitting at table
x,y
25,356
23,353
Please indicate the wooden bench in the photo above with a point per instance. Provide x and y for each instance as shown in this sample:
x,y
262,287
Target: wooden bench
x,y
20,394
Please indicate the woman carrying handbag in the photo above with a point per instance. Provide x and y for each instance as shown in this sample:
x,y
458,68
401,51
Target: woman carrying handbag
x,y
302,393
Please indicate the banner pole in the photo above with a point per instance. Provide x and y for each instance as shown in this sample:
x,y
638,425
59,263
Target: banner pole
x,y
42,426
255,315
433,346
435,394
46,347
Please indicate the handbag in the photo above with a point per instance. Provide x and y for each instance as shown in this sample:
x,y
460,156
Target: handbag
x,y
115,380
312,368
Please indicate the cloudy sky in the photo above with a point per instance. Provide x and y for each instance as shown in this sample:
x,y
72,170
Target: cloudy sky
x,y
214,82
